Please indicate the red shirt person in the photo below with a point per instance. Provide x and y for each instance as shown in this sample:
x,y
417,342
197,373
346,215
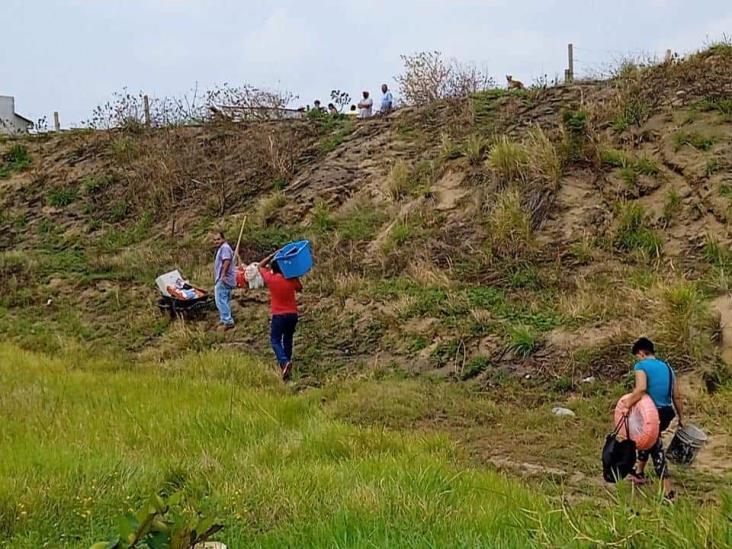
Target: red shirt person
x,y
283,306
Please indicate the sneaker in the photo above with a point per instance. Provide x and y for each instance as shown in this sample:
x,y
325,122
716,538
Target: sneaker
x,y
286,371
225,327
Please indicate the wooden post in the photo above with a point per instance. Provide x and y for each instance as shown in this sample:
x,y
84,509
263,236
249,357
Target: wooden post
x,y
56,122
566,76
570,62
668,56
146,103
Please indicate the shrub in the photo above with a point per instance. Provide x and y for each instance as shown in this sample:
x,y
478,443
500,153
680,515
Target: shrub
x,y
62,196
692,139
428,76
633,231
508,161
509,225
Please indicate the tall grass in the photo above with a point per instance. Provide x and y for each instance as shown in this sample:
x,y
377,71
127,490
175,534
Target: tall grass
x,y
85,440
509,225
544,161
508,161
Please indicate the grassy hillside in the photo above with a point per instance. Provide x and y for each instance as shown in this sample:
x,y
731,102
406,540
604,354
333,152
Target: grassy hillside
x,y
478,262
83,442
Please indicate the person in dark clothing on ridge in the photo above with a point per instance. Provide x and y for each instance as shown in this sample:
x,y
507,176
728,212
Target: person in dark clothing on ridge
x,y
655,378
283,305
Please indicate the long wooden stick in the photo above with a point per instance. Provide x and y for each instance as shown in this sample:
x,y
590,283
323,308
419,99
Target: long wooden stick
x,y
238,242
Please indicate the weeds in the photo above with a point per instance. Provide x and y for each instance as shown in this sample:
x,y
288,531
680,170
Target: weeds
x,y
633,231
712,166
685,324
522,340
322,219
449,149
61,196
509,226
475,146
671,206
544,161
692,139
508,161
16,159
268,206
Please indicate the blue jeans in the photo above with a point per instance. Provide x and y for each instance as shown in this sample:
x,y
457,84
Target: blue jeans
x,y
222,296
283,330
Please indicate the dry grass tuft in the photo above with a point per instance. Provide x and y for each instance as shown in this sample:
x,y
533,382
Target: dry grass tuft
x,y
544,161
509,226
508,161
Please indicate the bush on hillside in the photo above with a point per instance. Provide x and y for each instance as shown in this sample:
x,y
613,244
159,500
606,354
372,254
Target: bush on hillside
x,y
428,76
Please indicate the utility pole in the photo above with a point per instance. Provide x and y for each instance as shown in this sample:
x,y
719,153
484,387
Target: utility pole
x,y
570,62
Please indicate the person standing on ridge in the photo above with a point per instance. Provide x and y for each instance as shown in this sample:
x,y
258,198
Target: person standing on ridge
x,y
655,378
387,100
283,306
224,279
365,106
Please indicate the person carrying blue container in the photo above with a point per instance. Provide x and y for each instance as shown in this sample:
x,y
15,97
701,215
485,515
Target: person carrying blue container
x,y
283,306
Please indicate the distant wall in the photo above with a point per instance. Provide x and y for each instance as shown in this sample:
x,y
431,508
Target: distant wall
x,y
11,123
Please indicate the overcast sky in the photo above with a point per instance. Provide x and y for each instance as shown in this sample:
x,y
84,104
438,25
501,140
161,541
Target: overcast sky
x,y
70,55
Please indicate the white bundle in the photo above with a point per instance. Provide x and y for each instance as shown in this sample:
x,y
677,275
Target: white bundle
x,y
253,276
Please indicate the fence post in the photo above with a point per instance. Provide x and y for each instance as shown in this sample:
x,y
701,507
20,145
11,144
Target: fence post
x,y
56,122
570,62
566,76
668,56
146,103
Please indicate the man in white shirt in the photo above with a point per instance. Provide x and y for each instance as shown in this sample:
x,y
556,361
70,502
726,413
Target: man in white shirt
x,y
387,100
365,106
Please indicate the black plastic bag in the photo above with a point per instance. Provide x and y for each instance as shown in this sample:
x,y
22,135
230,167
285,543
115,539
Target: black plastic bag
x,y
618,456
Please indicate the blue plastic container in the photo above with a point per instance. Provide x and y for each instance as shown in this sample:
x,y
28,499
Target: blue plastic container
x,y
294,259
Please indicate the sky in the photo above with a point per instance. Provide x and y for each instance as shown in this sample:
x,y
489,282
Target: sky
x,y
71,55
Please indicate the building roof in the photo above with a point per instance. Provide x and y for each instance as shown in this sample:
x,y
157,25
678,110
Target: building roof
x,y
24,118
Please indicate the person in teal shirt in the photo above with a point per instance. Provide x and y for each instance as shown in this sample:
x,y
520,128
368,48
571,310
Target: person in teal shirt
x,y
656,379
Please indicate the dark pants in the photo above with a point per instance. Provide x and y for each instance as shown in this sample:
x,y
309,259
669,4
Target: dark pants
x,y
665,414
283,330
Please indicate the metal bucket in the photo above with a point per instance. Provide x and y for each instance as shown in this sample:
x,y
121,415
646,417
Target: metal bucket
x,y
685,445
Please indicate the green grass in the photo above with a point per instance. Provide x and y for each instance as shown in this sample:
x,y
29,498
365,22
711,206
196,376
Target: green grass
x,y
61,196
16,159
693,139
85,440
633,231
